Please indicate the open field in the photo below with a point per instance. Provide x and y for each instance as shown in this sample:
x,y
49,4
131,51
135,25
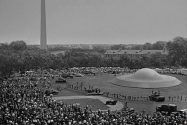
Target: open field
x,y
102,81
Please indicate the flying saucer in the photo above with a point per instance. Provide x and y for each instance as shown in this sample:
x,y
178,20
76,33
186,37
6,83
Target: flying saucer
x,y
146,78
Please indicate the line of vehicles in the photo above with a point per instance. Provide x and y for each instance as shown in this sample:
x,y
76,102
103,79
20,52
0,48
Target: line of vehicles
x,y
62,77
64,74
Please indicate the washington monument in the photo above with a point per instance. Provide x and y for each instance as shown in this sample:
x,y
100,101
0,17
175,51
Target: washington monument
x,y
43,36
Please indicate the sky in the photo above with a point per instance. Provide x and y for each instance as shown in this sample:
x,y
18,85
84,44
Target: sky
x,y
94,21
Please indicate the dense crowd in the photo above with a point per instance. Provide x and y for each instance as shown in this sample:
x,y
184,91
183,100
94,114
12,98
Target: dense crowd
x,y
22,102
117,70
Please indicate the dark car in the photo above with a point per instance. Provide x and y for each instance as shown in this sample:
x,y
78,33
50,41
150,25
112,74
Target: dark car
x,y
60,80
51,91
64,75
167,109
157,98
111,102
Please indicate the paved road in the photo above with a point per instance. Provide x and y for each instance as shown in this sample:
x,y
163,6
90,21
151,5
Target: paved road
x,y
118,106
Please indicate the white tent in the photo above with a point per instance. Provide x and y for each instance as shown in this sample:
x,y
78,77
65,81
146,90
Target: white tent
x,y
146,78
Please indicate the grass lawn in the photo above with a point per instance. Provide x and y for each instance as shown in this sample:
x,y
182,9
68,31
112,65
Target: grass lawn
x,y
102,81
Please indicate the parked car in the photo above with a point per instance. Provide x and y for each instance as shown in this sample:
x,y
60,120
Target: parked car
x,y
167,109
60,80
51,91
157,98
111,102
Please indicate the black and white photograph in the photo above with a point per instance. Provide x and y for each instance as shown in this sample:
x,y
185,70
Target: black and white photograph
x,y
93,62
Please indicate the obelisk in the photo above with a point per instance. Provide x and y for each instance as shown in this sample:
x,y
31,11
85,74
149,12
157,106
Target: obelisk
x,y
43,36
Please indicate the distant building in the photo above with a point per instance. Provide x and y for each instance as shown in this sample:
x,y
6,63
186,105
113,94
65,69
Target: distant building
x,y
119,53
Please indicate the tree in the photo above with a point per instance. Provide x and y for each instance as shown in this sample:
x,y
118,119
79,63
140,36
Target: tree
x,y
4,46
159,45
117,47
136,62
136,47
158,60
178,51
147,46
99,49
124,61
18,45
8,63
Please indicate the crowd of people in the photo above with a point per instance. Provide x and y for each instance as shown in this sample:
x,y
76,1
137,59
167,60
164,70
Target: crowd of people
x,y
126,70
22,102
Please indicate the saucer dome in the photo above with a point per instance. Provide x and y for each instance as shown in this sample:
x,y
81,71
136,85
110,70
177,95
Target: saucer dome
x,y
146,78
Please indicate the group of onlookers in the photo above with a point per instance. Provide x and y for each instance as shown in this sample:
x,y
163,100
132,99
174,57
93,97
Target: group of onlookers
x,y
124,70
96,70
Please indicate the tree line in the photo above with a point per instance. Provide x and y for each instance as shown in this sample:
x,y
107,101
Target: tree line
x,y
17,56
